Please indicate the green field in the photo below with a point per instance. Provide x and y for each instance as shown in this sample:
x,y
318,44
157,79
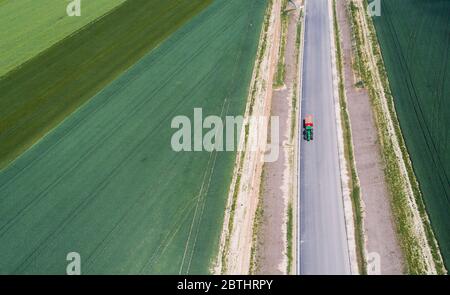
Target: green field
x,y
40,94
106,183
28,27
415,40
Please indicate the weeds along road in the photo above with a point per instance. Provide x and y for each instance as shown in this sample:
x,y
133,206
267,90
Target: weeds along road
x,y
323,247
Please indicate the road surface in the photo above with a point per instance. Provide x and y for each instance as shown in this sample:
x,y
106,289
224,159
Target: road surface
x,y
322,247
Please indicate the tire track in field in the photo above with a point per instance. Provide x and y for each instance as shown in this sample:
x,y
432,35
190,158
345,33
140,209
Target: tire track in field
x,y
172,232
107,180
120,124
113,130
162,247
191,257
103,184
123,83
233,75
123,122
441,97
173,229
430,144
201,199
203,207
203,193
152,260
116,228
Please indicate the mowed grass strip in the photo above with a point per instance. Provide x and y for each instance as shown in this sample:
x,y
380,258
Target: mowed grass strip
x,y
28,27
106,182
40,94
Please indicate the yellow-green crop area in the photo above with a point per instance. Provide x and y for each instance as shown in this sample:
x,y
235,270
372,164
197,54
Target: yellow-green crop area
x,y
28,27
106,183
37,96
415,42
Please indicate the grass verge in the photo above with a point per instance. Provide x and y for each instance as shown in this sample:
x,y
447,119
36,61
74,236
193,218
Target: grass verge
x,y
281,67
257,226
289,237
294,108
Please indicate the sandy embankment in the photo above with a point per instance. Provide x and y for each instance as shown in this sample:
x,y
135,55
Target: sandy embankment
x,y
280,177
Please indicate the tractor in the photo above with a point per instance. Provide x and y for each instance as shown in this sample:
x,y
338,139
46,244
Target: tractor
x,y
308,132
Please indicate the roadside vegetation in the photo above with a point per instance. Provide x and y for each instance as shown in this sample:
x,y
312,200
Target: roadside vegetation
x,y
259,214
289,238
295,93
349,156
281,66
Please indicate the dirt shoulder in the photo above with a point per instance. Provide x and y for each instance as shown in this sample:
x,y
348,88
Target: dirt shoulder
x,y
379,226
274,256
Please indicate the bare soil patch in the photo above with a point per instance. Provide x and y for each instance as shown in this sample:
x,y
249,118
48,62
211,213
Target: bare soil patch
x,y
278,186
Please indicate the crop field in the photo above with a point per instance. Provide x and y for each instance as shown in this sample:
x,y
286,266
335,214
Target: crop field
x,y
28,27
65,76
415,38
106,183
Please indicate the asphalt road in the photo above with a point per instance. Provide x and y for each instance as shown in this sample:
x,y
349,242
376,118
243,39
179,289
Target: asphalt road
x,y
323,247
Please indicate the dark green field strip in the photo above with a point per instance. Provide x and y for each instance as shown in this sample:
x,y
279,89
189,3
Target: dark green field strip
x,y
106,183
415,41
41,93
